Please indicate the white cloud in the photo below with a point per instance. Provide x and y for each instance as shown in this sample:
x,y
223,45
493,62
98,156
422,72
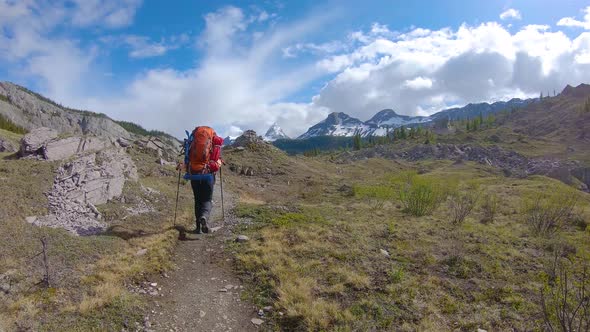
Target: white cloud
x,y
423,71
419,83
109,13
572,22
510,13
145,47
241,80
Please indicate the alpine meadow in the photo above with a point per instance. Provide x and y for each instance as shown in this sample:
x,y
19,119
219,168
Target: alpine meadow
x,y
295,166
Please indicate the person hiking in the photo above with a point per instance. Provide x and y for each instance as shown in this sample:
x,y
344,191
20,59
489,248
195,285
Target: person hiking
x,y
202,160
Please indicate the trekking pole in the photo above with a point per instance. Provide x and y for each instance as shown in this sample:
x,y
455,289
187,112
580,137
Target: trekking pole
x,y
221,184
177,191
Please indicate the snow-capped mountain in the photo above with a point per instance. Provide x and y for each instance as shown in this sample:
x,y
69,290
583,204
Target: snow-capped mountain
x,y
388,118
340,124
274,133
336,124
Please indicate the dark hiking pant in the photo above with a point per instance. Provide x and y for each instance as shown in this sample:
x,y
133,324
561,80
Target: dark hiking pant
x,y
203,193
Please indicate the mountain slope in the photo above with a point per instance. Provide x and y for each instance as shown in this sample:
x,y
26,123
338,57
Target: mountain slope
x,y
390,118
31,110
274,133
336,124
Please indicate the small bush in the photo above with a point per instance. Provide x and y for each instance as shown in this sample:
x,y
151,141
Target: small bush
x,y
462,203
6,124
547,213
565,297
4,98
419,195
489,208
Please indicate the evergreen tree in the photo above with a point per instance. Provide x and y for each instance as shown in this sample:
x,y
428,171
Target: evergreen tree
x,y
587,105
358,144
541,97
402,132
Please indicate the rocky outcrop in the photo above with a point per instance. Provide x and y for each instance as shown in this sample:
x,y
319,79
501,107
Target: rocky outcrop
x,y
164,149
34,142
44,143
248,139
30,111
82,184
7,146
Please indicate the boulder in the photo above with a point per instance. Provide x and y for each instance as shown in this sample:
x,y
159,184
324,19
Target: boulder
x,y
81,184
34,142
61,149
7,146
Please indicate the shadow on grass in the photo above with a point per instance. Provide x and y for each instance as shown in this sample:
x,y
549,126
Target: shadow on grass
x,y
126,233
13,156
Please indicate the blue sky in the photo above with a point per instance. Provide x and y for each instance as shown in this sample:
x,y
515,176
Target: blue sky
x,y
238,65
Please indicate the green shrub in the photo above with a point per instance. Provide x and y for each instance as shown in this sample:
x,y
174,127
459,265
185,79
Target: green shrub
x,y
565,297
489,208
4,98
6,124
547,212
419,195
462,202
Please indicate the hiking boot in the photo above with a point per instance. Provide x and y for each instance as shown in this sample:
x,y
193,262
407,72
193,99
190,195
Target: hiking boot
x,y
198,229
203,223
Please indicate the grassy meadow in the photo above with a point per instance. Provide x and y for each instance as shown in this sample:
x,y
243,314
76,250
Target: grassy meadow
x,y
376,246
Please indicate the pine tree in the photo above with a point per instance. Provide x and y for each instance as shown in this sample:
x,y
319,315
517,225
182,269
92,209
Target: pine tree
x,y
468,125
541,97
587,105
357,142
403,134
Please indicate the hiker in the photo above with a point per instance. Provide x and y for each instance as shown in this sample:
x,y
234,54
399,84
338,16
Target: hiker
x,y
202,160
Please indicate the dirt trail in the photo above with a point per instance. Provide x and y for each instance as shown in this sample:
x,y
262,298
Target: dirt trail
x,y
201,293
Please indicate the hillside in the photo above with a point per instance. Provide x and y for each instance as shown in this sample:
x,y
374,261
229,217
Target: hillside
x,y
336,242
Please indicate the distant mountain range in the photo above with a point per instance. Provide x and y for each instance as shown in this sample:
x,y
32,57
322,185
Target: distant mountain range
x,y
341,124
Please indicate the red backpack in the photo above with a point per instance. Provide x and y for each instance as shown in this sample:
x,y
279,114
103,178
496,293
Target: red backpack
x,y
202,151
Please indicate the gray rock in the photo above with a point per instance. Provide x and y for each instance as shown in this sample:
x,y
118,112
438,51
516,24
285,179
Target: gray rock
x,y
267,309
34,141
7,146
82,184
384,252
141,252
257,321
242,238
31,219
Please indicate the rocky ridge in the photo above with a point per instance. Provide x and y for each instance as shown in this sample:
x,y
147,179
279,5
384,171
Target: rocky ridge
x,y
30,111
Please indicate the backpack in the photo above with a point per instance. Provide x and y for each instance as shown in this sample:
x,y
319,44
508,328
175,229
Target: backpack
x,y
202,150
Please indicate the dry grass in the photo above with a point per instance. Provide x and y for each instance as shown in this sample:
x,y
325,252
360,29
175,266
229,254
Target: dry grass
x,y
88,274
330,274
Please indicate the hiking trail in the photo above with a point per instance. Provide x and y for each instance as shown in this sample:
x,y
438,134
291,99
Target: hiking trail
x,y
201,293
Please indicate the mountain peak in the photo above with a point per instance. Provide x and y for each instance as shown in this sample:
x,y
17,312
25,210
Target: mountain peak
x,y
581,90
274,133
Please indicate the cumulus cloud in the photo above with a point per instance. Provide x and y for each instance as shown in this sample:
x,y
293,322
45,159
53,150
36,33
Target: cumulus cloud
x,y
242,79
423,71
110,13
573,22
510,13
236,86
419,83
